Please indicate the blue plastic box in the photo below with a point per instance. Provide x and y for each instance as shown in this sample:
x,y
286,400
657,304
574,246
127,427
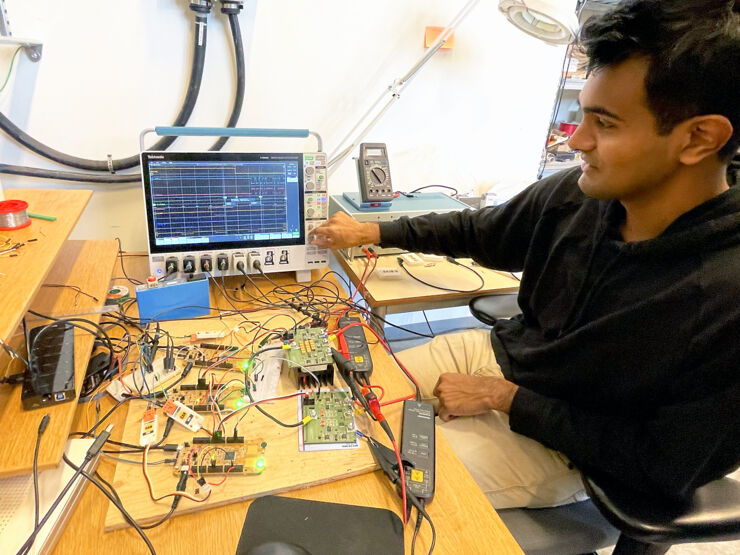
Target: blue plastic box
x,y
176,299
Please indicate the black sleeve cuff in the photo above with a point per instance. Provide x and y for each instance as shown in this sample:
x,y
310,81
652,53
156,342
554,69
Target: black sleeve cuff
x,y
391,233
528,413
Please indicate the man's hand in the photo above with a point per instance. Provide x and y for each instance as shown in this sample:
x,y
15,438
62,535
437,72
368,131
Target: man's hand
x,y
342,231
464,395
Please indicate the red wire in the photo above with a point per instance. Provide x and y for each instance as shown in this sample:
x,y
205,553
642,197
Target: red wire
x,y
411,396
382,391
222,481
362,277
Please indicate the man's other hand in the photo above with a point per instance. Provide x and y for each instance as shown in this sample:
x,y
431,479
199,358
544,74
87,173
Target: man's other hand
x,y
342,231
464,395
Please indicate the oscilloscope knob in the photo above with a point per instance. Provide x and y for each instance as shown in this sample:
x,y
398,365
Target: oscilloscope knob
x,y
309,170
309,185
378,175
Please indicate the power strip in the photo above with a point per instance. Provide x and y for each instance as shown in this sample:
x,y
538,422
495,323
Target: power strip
x,y
412,259
388,273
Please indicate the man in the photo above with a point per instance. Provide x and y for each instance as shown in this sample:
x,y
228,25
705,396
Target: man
x,y
626,357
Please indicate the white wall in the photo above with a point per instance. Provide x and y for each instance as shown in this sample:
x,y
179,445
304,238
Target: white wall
x,y
475,117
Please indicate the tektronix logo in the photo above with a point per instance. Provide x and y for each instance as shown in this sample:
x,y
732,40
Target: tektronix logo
x,y
155,157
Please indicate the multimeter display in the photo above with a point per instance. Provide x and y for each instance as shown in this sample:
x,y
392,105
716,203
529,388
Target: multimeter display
x,y
374,174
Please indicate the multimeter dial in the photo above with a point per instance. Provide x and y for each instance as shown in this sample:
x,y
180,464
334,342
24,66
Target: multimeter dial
x,y
377,175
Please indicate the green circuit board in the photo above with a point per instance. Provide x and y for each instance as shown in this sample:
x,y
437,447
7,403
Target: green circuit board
x,y
309,348
332,418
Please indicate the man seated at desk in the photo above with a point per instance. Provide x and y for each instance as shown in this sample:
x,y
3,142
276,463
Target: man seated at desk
x,y
625,359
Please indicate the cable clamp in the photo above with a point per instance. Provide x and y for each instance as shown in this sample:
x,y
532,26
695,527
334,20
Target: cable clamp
x,y
111,169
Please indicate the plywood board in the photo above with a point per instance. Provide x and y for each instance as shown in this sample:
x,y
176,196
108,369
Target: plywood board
x,y
286,467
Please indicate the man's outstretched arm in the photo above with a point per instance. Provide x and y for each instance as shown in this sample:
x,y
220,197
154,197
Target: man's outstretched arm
x,y
678,449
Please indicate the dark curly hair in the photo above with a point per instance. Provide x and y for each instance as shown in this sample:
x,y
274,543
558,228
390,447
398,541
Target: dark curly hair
x,y
694,51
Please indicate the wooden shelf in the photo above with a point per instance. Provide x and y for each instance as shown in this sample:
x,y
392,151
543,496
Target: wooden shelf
x,y
24,274
89,266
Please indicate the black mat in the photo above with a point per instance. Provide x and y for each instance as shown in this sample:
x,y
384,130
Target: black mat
x,y
321,528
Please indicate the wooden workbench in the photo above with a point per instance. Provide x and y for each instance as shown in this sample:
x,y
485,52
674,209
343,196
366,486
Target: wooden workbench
x,y
46,258
464,520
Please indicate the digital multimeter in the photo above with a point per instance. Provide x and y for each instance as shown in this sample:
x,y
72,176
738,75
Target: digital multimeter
x,y
374,174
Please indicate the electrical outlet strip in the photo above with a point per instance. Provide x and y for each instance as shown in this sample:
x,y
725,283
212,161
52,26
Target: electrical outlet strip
x,y
388,273
412,259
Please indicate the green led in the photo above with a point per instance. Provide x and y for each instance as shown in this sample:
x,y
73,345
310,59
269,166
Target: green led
x,y
260,463
240,403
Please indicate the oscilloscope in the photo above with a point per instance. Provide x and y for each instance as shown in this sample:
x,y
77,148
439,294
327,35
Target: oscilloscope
x,y
208,211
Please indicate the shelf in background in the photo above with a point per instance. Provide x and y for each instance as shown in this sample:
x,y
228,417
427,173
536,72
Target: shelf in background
x,y
573,84
89,266
24,274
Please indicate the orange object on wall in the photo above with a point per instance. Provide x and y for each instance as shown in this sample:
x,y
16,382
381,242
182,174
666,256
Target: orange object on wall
x,y
431,34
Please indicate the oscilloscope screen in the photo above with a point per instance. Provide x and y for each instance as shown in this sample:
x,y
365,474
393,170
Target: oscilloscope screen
x,y
206,201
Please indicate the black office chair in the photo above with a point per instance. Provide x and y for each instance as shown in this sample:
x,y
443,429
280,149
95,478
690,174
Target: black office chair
x,y
638,525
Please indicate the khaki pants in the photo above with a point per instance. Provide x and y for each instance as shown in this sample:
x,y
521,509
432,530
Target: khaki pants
x,y
511,469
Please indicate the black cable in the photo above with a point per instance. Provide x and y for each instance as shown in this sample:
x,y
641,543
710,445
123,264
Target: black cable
x,y
120,255
196,74
119,506
236,110
423,513
25,548
109,485
91,453
455,193
75,288
452,261
271,417
164,518
107,414
69,176
417,527
268,415
42,428
424,313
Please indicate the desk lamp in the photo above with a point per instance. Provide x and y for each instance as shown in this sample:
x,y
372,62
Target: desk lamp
x,y
552,21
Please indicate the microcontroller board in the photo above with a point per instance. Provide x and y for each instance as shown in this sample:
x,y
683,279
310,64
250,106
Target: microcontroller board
x,y
310,350
332,424
204,455
200,400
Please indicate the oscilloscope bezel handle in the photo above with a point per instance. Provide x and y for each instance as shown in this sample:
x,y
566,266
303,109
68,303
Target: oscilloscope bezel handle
x,y
229,132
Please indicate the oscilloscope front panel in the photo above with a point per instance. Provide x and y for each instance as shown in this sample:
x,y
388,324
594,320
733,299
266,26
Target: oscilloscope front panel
x,y
208,211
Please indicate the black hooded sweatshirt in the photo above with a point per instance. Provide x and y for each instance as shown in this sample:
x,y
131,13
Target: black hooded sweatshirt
x,y
627,355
